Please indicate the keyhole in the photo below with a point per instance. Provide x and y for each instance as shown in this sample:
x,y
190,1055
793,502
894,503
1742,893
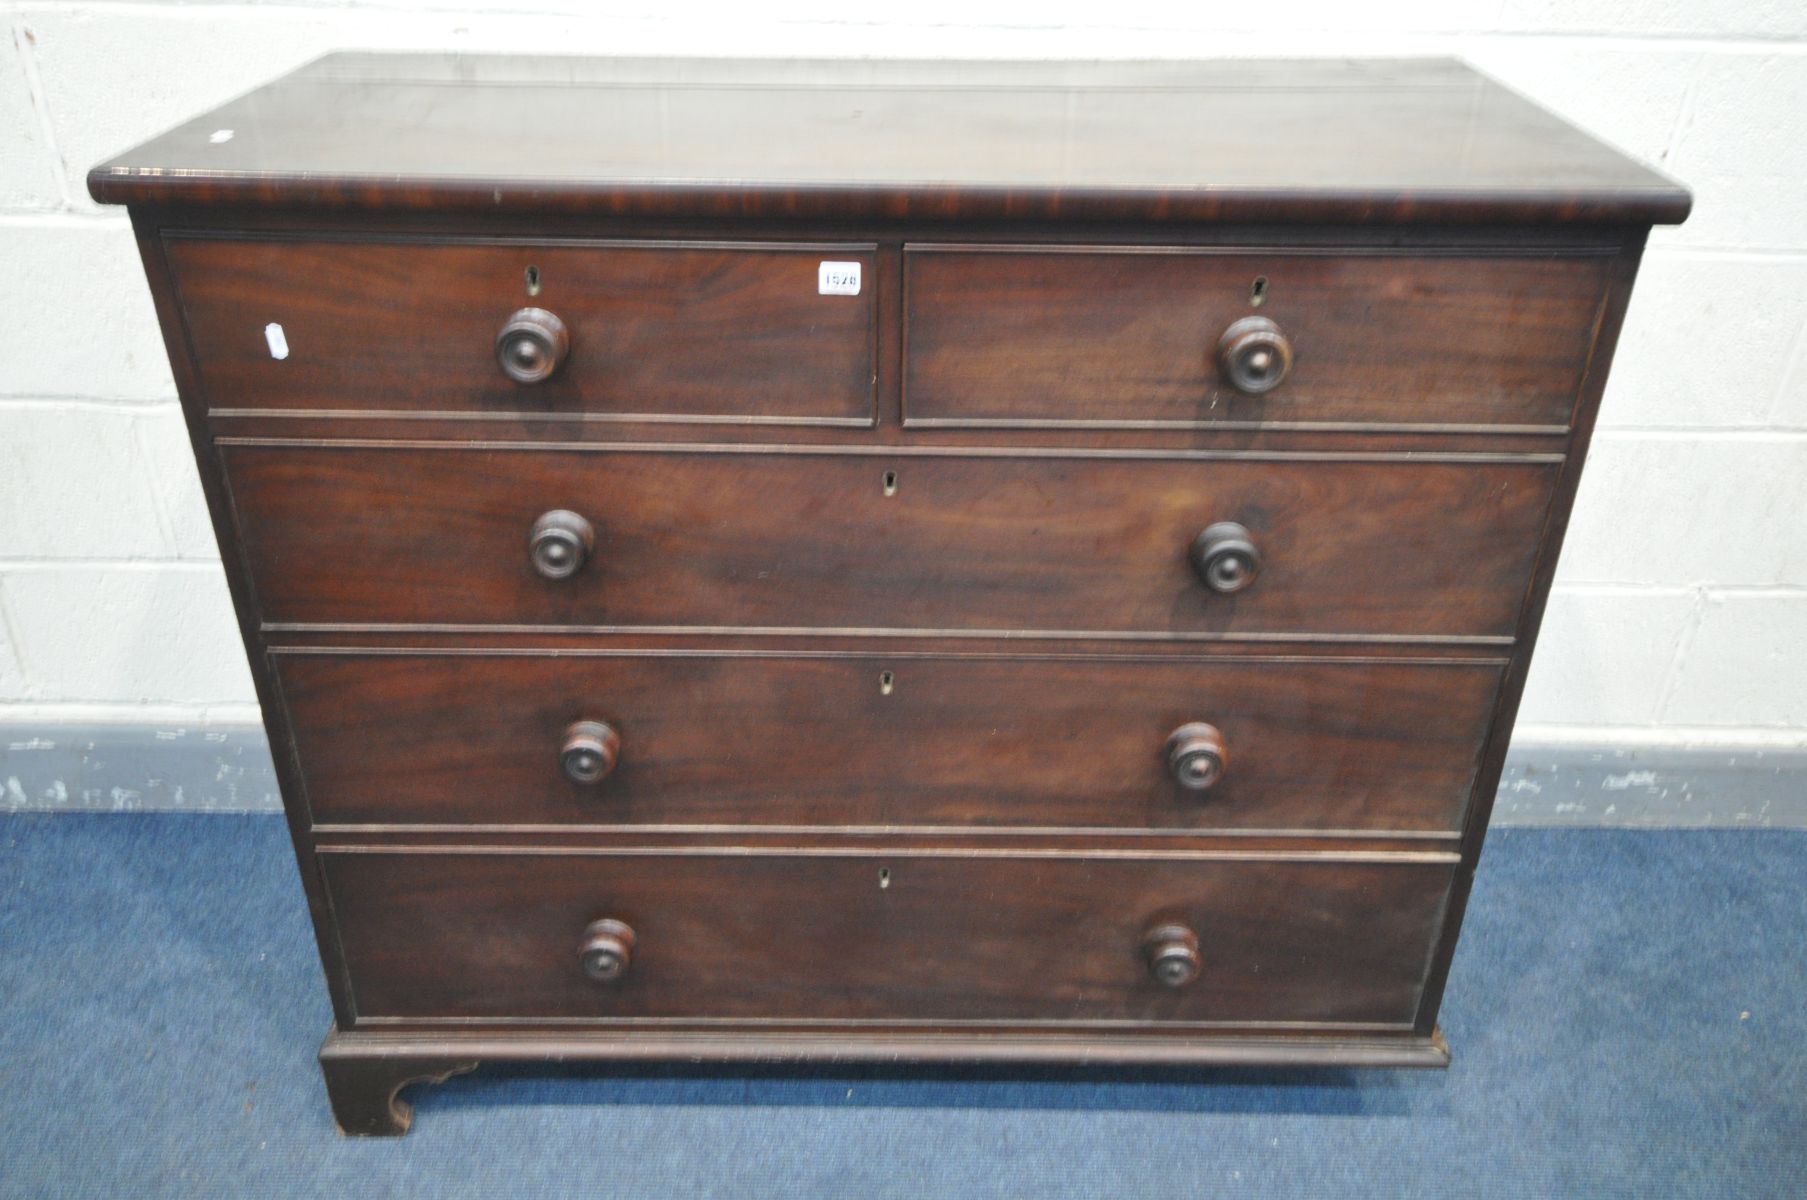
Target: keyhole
x,y
886,681
884,877
890,483
1258,291
533,281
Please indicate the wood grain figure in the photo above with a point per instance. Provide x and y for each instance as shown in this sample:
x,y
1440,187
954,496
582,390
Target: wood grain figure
x,y
921,562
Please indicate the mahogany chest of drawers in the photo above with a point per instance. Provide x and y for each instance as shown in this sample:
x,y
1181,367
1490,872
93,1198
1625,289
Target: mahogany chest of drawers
x,y
787,561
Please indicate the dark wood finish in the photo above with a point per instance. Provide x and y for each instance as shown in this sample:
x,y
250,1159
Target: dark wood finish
x,y
532,344
577,431
1003,1047
402,535
1014,551
932,840
1038,335
941,939
145,231
590,752
1254,355
703,331
1390,142
1225,557
1172,952
1197,756
566,640
1493,760
607,951
365,1089
559,544
799,739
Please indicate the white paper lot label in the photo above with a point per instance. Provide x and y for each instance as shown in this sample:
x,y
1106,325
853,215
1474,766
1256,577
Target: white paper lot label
x,y
277,339
838,279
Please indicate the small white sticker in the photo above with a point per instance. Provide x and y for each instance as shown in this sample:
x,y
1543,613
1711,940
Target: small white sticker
x,y
838,279
279,342
220,136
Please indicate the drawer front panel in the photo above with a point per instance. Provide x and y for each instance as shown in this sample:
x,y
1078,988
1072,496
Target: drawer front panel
x,y
801,541
1129,337
894,741
730,333
873,937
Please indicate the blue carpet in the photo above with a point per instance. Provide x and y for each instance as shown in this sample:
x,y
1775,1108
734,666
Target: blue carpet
x,y
1628,1015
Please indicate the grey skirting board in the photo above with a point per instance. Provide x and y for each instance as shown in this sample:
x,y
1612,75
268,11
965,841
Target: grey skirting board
x,y
128,768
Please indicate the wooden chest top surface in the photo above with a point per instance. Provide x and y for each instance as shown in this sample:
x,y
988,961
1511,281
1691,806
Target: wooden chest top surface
x,y
1358,142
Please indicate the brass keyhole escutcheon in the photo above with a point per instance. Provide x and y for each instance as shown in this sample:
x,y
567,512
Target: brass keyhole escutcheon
x,y
886,682
890,483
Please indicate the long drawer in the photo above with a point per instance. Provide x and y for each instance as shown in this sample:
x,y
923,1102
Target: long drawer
x,y
874,740
705,331
851,541
1129,336
731,934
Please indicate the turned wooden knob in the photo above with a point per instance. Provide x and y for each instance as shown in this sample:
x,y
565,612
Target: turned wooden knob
x,y
590,752
531,345
1225,557
607,950
1197,757
1172,952
1254,355
560,543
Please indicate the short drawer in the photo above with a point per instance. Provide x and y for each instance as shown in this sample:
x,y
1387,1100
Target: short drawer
x,y
1128,337
704,331
859,936
871,740
960,542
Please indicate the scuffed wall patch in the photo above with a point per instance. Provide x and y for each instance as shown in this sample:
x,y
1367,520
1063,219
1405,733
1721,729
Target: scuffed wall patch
x,y
1653,787
132,768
